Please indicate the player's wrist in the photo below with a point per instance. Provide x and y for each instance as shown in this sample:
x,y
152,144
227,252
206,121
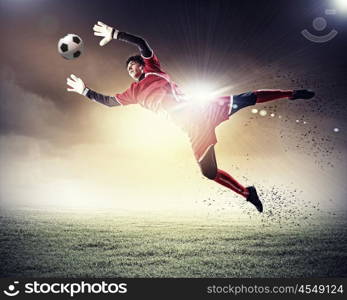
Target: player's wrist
x,y
85,91
115,33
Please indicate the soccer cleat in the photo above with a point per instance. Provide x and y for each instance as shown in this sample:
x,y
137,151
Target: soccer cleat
x,y
302,94
254,199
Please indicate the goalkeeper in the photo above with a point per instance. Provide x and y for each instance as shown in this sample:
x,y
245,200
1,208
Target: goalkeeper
x,y
153,89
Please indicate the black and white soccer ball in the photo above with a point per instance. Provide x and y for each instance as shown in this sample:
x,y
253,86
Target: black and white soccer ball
x,y
70,46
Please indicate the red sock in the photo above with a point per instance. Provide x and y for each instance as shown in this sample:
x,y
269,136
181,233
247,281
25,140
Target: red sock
x,y
269,95
225,179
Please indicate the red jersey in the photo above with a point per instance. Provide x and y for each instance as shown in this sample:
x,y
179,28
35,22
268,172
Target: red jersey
x,y
155,92
158,93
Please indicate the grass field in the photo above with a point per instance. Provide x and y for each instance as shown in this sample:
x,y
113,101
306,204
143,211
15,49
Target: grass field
x,y
104,244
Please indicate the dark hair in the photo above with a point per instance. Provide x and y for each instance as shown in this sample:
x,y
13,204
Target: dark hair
x,y
135,58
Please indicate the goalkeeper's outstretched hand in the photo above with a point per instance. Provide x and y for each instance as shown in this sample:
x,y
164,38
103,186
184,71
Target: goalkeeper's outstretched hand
x,y
77,85
107,32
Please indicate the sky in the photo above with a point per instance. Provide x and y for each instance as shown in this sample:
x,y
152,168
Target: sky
x,y
60,149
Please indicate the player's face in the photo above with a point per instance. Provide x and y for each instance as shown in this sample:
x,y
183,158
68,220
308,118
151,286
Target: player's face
x,y
135,70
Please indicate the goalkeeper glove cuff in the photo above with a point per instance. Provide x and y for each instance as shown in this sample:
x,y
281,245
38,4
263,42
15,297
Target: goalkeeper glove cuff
x,y
85,91
115,33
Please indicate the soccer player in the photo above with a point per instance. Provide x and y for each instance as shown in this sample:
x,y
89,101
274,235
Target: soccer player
x,y
154,90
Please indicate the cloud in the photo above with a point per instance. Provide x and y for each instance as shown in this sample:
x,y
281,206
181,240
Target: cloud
x,y
25,113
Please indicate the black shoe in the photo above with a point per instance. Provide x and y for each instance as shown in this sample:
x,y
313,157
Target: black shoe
x,y
254,199
302,94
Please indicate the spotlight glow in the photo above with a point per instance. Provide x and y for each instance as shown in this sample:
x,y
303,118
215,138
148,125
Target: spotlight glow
x,y
263,113
201,92
341,5
336,129
272,115
254,111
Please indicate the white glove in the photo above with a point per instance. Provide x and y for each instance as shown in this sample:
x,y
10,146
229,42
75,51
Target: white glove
x,y
77,85
107,32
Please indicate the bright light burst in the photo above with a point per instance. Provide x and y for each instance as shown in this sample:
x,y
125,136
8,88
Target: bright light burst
x,y
201,92
341,5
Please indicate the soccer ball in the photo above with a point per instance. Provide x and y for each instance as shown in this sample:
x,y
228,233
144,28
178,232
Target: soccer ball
x,y
70,46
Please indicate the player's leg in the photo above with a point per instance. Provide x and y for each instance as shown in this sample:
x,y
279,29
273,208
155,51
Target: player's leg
x,y
270,95
208,164
209,169
242,100
260,96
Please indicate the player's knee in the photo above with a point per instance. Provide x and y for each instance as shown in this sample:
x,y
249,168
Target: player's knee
x,y
208,173
243,100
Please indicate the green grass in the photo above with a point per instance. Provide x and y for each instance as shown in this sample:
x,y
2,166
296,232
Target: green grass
x,y
68,244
